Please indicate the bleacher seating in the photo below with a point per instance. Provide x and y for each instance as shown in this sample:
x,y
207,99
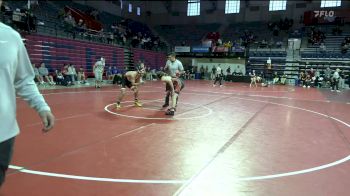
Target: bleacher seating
x,y
54,52
50,15
234,31
192,36
261,55
150,58
329,55
258,57
333,49
259,29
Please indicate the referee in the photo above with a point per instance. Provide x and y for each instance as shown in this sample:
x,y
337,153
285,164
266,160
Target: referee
x,y
173,68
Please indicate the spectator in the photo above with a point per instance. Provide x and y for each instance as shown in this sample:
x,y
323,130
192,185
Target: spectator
x,y
323,48
187,75
302,79
239,72
213,72
317,79
44,73
66,75
327,74
60,78
98,70
337,30
228,71
307,81
275,78
72,73
335,80
38,77
283,79
81,75
252,78
115,70
201,70
279,44
311,73
341,80
109,73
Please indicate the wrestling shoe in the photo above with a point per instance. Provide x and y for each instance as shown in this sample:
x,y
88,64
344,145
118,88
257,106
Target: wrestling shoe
x,y
117,105
170,112
138,104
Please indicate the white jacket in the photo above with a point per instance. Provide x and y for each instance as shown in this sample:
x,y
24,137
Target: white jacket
x,y
16,77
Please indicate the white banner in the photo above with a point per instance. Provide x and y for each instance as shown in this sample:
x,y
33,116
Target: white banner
x,y
234,67
182,49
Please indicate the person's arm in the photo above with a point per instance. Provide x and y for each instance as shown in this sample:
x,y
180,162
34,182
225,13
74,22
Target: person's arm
x,y
27,89
131,78
166,67
46,72
181,68
103,67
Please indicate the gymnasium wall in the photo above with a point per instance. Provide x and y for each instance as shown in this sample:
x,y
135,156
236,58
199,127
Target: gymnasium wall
x,y
150,58
54,52
210,62
174,12
250,11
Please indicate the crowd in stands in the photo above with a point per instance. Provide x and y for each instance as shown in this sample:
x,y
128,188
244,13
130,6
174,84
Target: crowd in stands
x,y
247,38
20,18
244,40
316,36
326,78
66,76
275,27
345,45
337,30
270,44
205,73
119,33
69,75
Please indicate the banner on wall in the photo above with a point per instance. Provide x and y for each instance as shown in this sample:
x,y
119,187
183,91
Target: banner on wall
x,y
219,49
206,43
235,67
326,16
200,49
238,49
182,49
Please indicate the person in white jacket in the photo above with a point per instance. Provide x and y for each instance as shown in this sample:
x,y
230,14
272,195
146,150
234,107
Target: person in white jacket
x,y
16,77
98,71
335,80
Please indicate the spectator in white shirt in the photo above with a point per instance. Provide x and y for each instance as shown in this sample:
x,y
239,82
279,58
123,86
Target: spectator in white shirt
x,y
72,73
37,75
323,48
335,80
44,73
98,71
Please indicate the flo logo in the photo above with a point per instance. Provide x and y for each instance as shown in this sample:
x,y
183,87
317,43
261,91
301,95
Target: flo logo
x,y
320,14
